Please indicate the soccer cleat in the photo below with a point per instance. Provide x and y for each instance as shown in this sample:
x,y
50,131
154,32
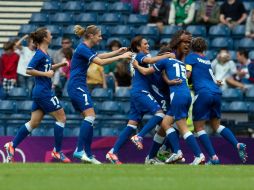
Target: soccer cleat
x,y
137,141
175,157
163,155
10,152
199,160
60,156
81,155
153,161
93,160
113,158
213,162
242,152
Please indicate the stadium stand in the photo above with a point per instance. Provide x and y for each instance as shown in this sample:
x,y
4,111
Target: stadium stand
x,y
117,21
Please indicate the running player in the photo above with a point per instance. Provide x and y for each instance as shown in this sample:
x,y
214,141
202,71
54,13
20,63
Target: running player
x,y
77,87
44,101
141,99
207,104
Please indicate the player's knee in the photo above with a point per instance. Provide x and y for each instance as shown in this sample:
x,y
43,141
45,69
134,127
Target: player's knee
x,y
62,119
90,119
33,124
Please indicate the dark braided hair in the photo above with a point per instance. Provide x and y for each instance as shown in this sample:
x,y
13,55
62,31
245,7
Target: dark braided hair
x,y
176,39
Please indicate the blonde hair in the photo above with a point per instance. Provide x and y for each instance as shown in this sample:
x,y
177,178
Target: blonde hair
x,y
84,32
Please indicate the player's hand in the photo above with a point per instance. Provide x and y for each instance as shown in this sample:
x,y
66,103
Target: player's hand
x,y
219,82
135,64
126,55
65,62
49,73
177,81
122,50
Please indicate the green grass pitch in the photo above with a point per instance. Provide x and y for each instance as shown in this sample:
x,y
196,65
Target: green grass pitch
x,y
124,177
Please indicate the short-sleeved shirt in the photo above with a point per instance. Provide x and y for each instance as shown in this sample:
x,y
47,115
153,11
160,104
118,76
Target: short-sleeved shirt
x,y
140,82
174,69
202,74
41,62
80,62
233,11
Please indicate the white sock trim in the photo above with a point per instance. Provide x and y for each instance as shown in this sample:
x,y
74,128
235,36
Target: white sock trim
x,y
132,126
170,130
28,127
157,128
202,132
221,127
160,115
90,119
186,135
60,124
159,139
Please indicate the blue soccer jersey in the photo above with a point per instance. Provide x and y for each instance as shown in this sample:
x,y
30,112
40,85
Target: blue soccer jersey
x,y
80,62
140,82
180,98
207,101
41,62
77,87
202,74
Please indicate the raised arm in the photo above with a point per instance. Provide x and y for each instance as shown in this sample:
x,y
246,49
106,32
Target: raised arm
x,y
152,60
18,43
106,61
112,53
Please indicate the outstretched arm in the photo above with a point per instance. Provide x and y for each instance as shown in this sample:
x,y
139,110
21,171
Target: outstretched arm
x,y
112,53
152,60
106,61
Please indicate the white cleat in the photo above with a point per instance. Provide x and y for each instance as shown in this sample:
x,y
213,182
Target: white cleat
x,y
93,160
153,161
199,160
175,157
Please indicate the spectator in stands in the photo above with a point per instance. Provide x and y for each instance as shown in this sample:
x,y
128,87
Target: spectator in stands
x,y
95,77
245,70
134,4
144,6
122,75
232,13
65,71
249,29
58,57
224,68
158,13
181,12
208,12
25,56
9,60
110,69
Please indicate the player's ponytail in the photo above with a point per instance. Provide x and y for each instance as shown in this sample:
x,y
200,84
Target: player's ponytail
x,y
38,35
79,30
85,32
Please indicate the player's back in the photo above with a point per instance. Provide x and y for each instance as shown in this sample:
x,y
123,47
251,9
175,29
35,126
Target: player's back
x,y
80,62
202,74
175,69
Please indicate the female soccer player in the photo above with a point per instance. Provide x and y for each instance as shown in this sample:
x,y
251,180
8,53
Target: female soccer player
x,y
207,104
77,87
44,101
141,99
180,101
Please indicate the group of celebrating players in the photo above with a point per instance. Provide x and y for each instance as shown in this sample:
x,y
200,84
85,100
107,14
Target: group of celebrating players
x,y
159,87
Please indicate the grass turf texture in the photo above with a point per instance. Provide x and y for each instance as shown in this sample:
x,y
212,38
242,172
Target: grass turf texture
x,y
124,177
